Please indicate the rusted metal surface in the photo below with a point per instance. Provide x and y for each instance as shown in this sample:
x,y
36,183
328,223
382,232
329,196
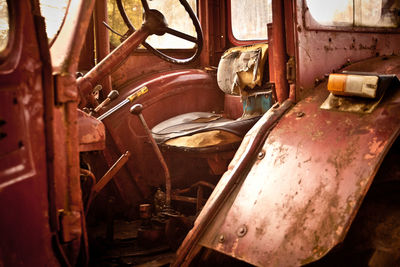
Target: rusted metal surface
x,y
25,227
71,225
62,129
279,51
233,106
102,41
92,135
204,14
107,65
114,169
299,198
111,172
229,182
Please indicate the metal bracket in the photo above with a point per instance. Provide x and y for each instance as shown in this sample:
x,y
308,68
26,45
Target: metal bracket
x,y
65,88
71,225
291,70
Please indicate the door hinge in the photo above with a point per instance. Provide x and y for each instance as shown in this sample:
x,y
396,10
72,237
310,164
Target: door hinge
x,y
291,70
71,225
65,88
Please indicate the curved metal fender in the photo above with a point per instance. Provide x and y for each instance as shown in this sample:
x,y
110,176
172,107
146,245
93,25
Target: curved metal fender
x,y
299,197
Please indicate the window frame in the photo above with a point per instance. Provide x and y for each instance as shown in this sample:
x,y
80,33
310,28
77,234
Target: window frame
x,y
11,23
310,24
10,55
231,36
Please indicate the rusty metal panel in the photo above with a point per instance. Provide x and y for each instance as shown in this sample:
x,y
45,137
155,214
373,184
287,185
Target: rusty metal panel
x,y
92,133
298,201
25,230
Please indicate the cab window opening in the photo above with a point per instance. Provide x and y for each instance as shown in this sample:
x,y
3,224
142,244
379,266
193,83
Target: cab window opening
x,y
54,12
4,25
249,19
174,13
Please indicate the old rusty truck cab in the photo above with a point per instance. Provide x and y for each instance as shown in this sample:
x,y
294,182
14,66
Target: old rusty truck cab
x,y
199,133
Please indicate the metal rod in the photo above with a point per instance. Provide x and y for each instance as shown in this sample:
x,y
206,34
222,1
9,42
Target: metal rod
x,y
107,65
161,159
89,174
97,187
279,51
111,111
111,172
184,199
143,90
199,202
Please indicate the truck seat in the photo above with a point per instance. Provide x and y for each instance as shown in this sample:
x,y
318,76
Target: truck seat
x,y
241,71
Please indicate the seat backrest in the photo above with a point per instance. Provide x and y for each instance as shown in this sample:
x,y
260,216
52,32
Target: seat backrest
x,y
242,67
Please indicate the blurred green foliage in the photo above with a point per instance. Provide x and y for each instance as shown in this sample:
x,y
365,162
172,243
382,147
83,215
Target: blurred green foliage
x,y
134,10
175,15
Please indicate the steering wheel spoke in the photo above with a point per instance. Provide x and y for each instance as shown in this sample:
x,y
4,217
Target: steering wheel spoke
x,y
145,6
181,35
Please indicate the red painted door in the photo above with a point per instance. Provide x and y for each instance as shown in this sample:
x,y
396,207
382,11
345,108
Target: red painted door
x,y
25,232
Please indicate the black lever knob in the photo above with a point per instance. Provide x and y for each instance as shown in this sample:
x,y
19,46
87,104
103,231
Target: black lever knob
x,y
136,109
113,95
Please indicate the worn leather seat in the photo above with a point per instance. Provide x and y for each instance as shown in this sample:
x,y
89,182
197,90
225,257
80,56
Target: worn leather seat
x,y
239,68
193,123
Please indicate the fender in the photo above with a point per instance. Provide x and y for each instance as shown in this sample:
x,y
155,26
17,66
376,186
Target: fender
x,y
300,195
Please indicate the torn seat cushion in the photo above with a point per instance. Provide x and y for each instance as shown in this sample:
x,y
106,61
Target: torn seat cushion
x,y
241,67
190,124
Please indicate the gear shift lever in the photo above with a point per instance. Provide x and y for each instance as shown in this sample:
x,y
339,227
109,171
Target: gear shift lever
x,y
137,110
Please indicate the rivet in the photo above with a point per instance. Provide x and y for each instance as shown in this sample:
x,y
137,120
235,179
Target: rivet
x,y
241,231
300,114
261,155
221,239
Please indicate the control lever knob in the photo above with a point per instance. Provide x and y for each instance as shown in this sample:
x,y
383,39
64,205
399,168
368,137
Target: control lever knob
x,y
113,95
136,109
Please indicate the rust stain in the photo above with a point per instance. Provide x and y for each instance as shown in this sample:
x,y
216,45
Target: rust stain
x,y
375,148
341,159
317,134
283,153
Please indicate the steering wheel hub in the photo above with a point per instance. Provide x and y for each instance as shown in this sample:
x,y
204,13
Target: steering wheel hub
x,y
155,22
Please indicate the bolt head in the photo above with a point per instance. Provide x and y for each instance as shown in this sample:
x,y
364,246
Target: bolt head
x,y
242,230
300,114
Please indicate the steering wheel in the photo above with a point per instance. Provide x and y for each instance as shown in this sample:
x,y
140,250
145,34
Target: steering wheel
x,y
155,21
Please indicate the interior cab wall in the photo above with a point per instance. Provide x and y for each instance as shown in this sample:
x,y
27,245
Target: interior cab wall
x,y
320,51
